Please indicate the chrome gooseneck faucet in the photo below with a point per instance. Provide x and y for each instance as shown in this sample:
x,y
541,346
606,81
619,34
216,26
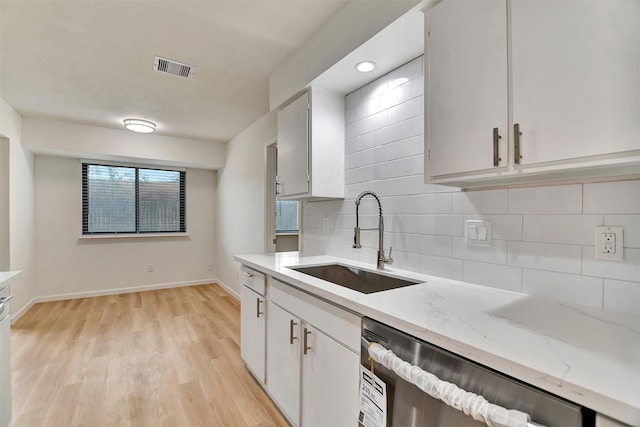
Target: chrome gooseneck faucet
x,y
382,260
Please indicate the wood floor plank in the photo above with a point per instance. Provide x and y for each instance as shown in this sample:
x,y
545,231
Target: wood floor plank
x,y
159,358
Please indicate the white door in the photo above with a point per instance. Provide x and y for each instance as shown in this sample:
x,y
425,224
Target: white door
x,y
283,361
252,331
330,377
466,81
293,147
576,78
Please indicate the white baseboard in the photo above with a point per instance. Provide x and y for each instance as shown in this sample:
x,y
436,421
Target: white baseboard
x,y
228,289
75,295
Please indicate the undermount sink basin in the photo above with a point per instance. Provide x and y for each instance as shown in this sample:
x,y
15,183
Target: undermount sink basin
x,y
355,278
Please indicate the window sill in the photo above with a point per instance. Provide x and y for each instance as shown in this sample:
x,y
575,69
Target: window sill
x,y
292,233
131,236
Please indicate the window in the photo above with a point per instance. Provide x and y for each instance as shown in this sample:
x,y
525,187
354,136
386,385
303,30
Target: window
x,y
287,214
128,199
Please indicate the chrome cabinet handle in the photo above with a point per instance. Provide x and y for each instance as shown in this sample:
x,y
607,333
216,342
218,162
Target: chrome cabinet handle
x,y
306,334
496,147
247,274
292,324
6,299
516,143
258,312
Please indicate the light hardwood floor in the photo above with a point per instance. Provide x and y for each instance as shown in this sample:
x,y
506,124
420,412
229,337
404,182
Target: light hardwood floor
x,y
158,358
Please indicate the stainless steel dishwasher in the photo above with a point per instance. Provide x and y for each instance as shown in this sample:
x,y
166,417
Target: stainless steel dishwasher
x,y
409,406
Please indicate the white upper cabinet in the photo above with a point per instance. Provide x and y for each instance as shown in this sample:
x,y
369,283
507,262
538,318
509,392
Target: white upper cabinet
x,y
576,78
311,146
560,81
466,91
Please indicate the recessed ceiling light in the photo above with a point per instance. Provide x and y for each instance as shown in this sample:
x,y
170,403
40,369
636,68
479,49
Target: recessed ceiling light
x,y
138,125
365,66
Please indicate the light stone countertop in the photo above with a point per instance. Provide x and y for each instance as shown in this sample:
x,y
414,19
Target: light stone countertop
x,y
585,355
6,277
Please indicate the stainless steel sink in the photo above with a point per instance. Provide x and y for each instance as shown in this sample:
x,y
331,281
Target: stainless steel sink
x,y
354,278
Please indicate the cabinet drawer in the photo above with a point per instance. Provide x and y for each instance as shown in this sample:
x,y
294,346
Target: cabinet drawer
x,y
253,279
339,324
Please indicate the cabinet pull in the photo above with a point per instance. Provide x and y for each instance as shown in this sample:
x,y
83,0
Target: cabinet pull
x,y
291,325
247,274
258,312
496,139
306,334
516,143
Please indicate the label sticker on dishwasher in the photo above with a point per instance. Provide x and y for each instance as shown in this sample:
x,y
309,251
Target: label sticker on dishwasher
x,y
373,400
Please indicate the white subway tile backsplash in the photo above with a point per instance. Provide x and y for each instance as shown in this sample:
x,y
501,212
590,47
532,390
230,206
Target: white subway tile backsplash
x,y
396,96
405,111
612,197
493,275
352,160
563,287
353,99
442,225
564,199
628,270
432,203
417,165
431,245
576,229
359,143
542,236
503,227
622,296
373,89
630,225
545,256
494,254
398,186
442,267
392,133
487,202
417,126
393,169
368,108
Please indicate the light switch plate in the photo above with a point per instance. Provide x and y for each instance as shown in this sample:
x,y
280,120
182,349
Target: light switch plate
x,y
610,243
477,232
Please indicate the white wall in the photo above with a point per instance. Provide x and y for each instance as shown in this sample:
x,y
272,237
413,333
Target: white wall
x,y
66,264
54,137
543,237
21,207
241,202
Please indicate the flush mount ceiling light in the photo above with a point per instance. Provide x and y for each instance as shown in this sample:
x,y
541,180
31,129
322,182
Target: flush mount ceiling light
x,y
142,126
365,66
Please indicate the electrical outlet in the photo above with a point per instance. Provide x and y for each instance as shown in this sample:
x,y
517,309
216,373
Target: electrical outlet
x,y
210,268
150,268
610,243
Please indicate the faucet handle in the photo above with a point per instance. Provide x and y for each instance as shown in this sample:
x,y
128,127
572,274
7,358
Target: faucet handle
x,y
390,260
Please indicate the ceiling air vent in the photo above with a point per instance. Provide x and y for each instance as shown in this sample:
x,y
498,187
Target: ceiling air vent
x,y
164,65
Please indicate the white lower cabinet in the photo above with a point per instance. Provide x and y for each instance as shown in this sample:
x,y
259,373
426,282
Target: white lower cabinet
x,y
329,385
312,358
252,331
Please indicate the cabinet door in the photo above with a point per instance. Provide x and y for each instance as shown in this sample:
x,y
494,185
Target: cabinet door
x,y
466,82
329,382
5,371
283,361
576,78
293,147
252,331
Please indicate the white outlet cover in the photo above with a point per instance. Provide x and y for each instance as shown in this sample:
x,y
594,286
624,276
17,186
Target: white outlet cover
x,y
602,252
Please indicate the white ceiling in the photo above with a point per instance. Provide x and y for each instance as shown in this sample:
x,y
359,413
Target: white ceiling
x,y
90,61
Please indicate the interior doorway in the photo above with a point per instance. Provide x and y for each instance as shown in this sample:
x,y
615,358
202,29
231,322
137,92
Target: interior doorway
x,y
4,204
283,219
